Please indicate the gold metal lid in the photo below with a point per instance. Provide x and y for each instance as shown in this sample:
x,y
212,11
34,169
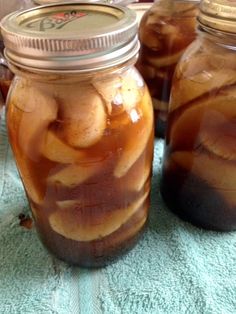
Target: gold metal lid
x,y
120,2
42,2
218,15
48,1
70,36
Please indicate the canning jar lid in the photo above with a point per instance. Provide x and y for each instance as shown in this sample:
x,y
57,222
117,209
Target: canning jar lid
x,y
57,1
218,15
105,1
77,36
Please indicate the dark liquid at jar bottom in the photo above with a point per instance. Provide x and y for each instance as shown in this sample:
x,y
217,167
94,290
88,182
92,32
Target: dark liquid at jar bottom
x,y
196,202
96,253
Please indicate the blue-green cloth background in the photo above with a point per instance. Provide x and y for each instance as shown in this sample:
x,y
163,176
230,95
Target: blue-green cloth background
x,y
175,268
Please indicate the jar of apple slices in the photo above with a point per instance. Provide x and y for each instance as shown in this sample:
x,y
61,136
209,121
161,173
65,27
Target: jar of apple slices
x,y
166,29
199,169
80,124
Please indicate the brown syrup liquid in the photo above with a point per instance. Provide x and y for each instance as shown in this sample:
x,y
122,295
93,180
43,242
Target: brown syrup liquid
x,y
64,203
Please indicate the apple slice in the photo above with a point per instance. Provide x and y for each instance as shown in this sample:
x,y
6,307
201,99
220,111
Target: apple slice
x,y
136,180
135,146
83,116
159,62
109,90
193,85
218,134
73,223
54,149
34,111
131,90
186,129
218,173
73,175
149,38
33,189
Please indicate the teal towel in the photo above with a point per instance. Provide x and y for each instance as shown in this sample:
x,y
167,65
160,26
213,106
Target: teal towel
x,y
175,268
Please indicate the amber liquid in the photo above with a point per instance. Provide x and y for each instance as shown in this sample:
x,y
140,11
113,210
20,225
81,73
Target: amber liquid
x,y
199,169
90,208
164,34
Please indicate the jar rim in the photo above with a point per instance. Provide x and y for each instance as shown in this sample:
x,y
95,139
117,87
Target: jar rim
x,y
67,36
219,15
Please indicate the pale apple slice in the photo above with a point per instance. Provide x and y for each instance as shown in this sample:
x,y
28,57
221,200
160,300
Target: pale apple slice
x,y
54,149
73,223
185,130
23,98
109,90
73,175
135,146
69,204
170,30
32,188
83,116
131,91
135,224
149,38
159,62
35,112
205,81
218,173
175,38
135,180
219,134
133,231
34,193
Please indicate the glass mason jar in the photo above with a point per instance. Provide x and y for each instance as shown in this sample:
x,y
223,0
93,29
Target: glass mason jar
x,y
80,124
199,169
165,31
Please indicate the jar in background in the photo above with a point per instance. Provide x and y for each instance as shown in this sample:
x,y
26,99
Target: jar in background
x,y
199,170
7,7
80,124
6,76
165,31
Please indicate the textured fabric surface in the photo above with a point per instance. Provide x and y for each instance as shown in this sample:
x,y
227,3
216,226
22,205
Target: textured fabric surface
x,y
175,268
